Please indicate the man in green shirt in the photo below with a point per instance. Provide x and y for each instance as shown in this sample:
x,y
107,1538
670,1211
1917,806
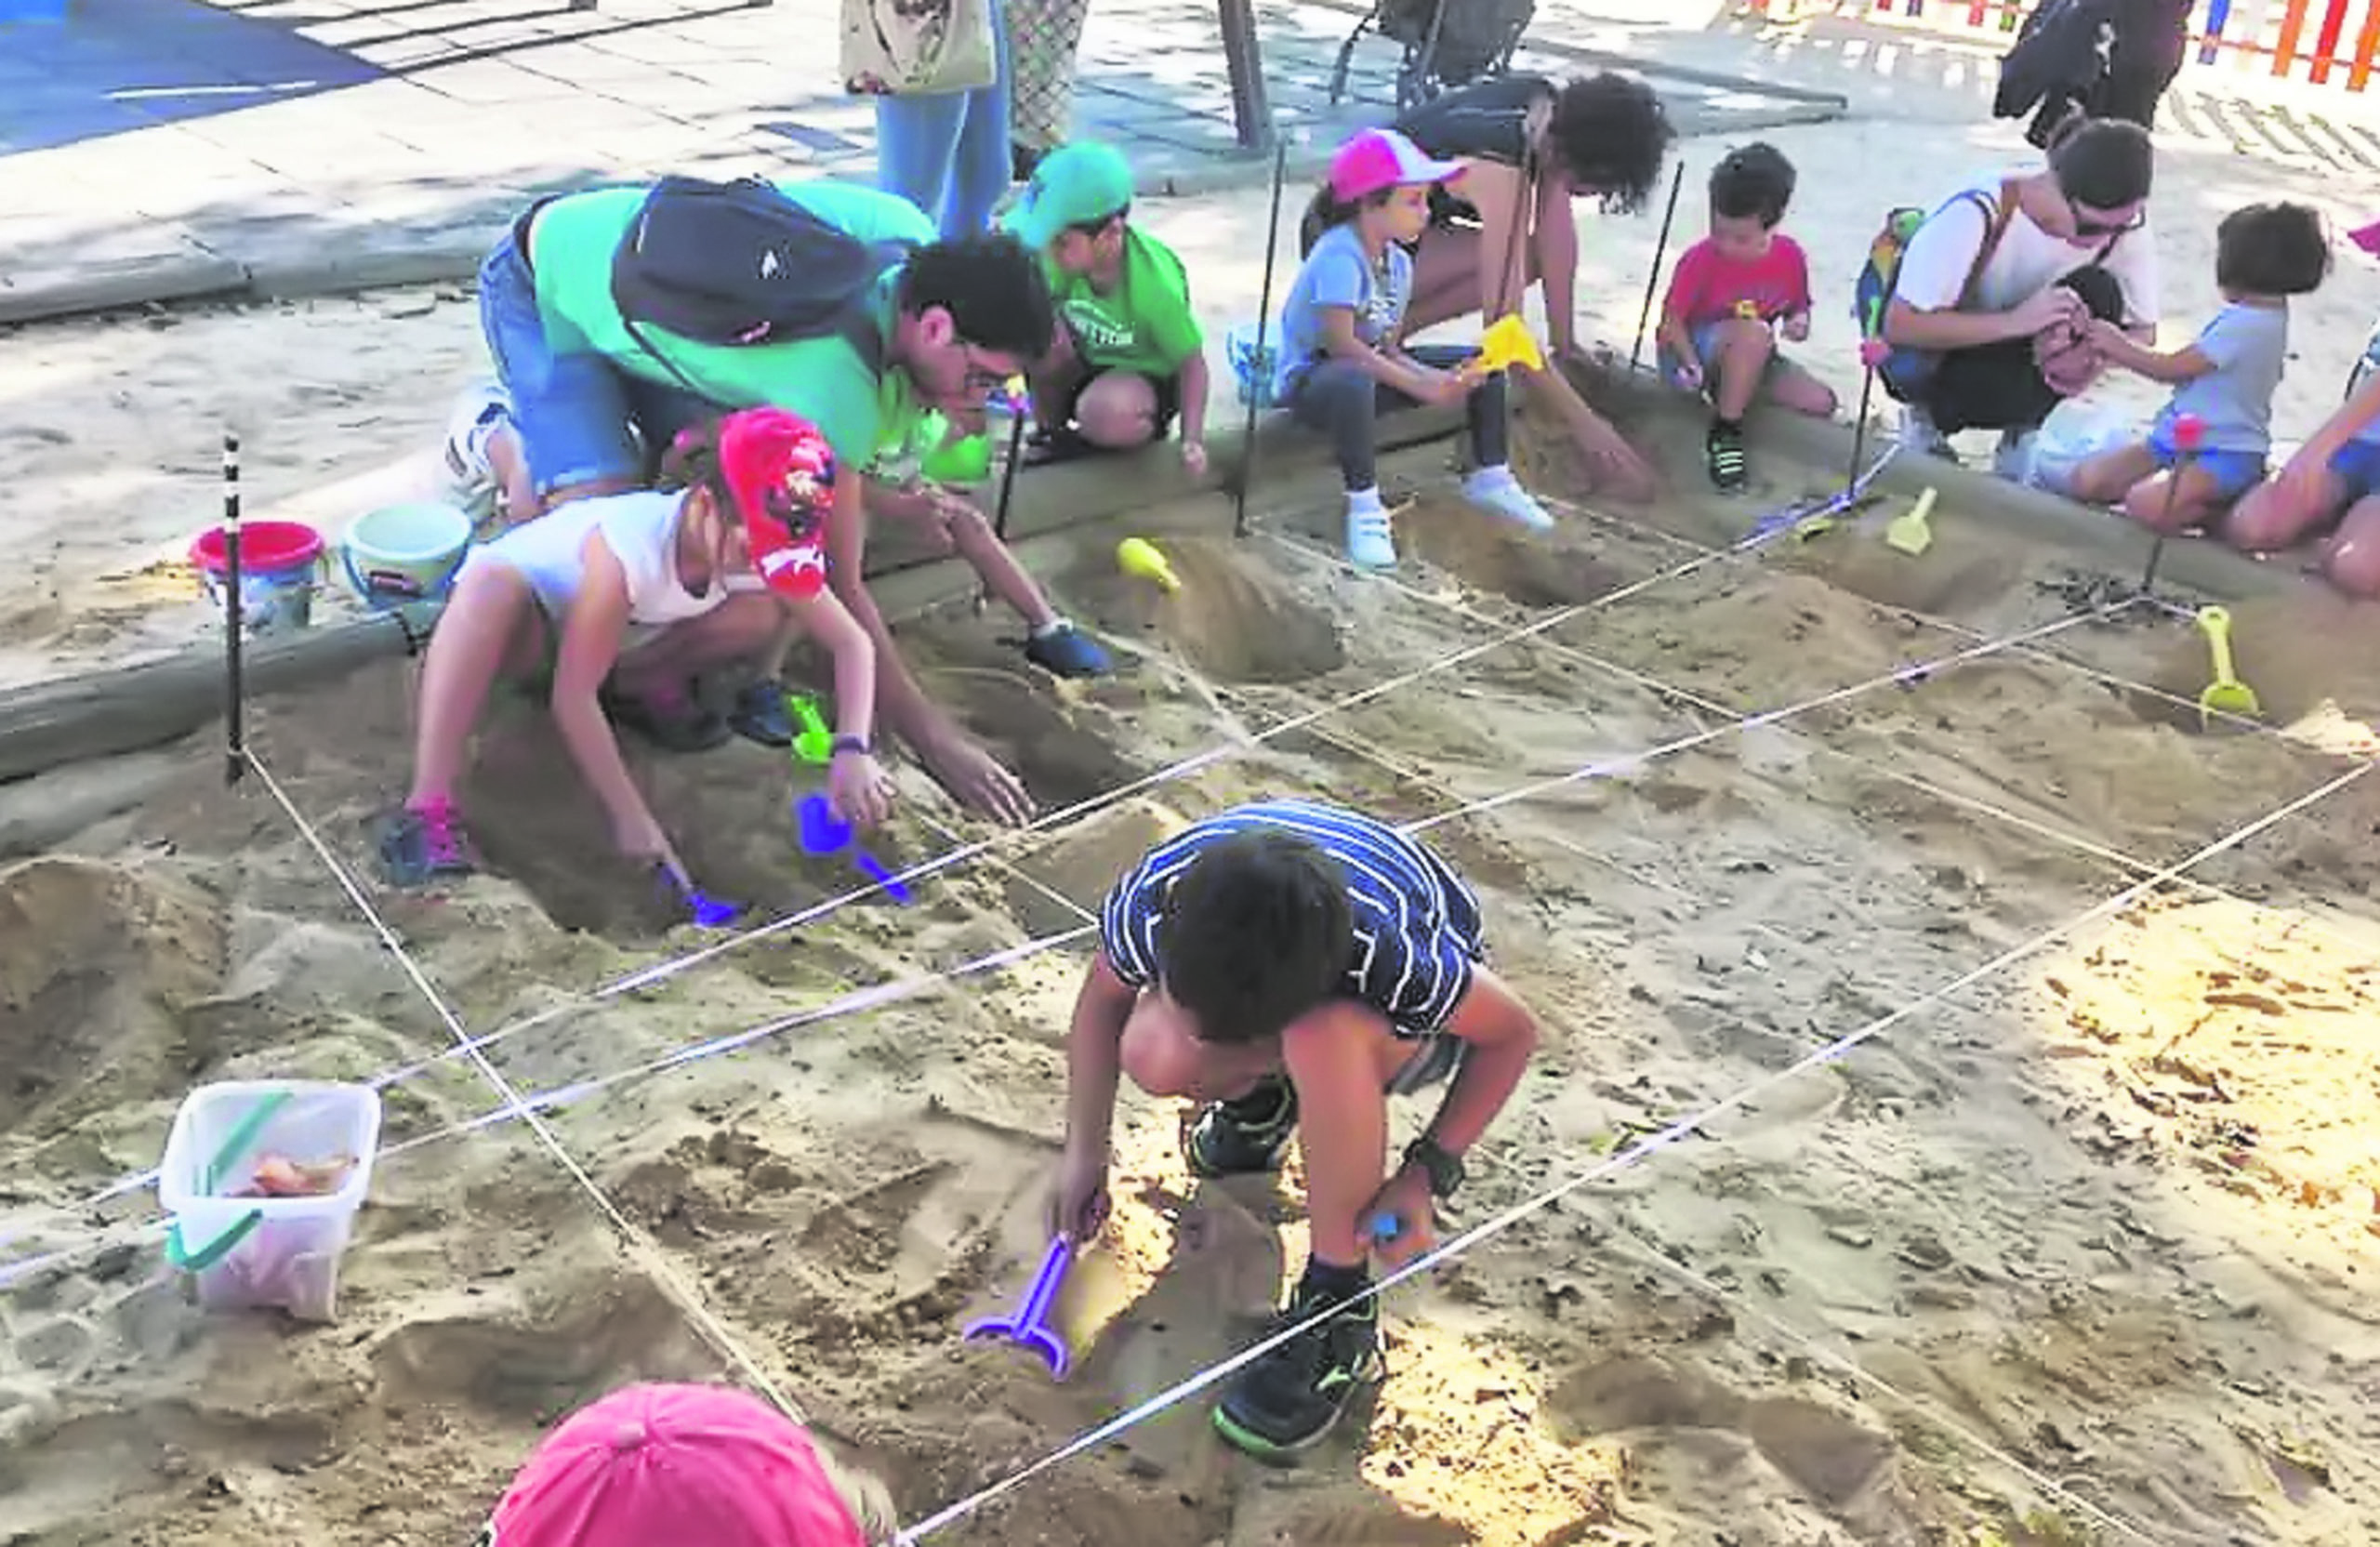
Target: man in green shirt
x,y
1129,358
592,398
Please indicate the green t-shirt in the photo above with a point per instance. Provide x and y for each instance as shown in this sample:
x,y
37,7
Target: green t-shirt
x,y
1144,325
823,380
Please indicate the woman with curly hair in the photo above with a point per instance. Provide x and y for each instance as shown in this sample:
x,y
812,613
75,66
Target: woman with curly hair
x,y
1529,146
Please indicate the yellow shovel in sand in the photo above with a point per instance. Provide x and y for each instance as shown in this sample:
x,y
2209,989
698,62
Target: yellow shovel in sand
x,y
2226,694
1909,532
1506,344
1140,557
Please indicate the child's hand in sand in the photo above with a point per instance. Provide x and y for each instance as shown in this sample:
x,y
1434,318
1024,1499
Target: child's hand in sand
x,y
1077,1203
858,790
1689,377
639,837
1193,458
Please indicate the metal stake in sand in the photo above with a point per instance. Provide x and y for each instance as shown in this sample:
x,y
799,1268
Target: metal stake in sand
x,y
1263,323
236,745
1653,280
1020,404
2188,430
1872,350
1030,1326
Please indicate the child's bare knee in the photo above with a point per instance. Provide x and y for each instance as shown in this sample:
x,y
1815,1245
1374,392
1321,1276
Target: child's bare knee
x,y
2262,521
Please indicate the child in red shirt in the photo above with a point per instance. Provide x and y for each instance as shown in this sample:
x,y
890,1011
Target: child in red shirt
x,y
1730,296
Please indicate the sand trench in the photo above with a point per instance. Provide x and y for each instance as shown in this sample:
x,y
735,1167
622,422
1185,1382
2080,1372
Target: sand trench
x,y
2101,1216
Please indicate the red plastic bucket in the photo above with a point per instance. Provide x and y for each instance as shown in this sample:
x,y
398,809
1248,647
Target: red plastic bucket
x,y
277,559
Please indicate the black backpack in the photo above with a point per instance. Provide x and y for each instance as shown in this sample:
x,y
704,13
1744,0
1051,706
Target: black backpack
x,y
739,263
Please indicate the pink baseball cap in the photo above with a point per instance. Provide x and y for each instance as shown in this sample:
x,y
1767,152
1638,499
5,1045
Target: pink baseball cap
x,y
1376,159
673,1463
2368,238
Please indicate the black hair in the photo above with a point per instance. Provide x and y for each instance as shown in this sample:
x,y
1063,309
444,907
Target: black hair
x,y
1326,210
993,288
2271,250
1611,134
2102,162
1255,933
1753,182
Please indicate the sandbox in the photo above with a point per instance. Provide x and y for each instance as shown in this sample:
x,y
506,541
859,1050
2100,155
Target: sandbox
x,y
2065,1236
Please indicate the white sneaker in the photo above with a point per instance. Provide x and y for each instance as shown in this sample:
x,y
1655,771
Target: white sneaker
x,y
1496,491
1919,433
480,410
1372,539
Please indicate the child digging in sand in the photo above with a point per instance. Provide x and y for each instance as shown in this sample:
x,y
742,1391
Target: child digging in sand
x,y
1293,965
617,602
1344,359
2223,380
1729,297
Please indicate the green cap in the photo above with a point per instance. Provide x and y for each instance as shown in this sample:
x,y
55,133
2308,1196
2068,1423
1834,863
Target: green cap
x,y
1074,185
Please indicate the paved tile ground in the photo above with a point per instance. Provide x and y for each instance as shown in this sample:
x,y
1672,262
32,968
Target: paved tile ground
x,y
154,146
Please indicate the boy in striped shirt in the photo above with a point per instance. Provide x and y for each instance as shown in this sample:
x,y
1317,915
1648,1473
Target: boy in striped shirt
x,y
1292,965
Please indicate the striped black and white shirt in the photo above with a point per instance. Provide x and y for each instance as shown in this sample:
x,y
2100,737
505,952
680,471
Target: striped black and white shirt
x,y
1416,925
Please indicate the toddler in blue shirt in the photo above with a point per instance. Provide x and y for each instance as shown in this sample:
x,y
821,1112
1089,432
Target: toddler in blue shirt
x,y
2208,446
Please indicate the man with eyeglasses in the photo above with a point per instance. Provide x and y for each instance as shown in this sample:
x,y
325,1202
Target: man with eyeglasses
x,y
596,388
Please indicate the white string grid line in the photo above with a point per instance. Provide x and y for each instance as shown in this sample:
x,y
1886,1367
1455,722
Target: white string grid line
x,y
1974,804
1932,1411
1636,1153
1042,826
1630,763
517,1106
630,1235
2104,678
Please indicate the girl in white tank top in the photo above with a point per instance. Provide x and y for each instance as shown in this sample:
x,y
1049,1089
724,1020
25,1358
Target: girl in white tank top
x,y
660,585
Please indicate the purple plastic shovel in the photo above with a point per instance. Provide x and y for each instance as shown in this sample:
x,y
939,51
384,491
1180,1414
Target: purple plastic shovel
x,y
1030,1326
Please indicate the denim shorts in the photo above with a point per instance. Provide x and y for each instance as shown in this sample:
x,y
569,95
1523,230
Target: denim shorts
x,y
1706,349
2235,472
581,419
2356,464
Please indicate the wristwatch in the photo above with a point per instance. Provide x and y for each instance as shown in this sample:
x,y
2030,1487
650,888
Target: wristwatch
x,y
849,744
1444,1169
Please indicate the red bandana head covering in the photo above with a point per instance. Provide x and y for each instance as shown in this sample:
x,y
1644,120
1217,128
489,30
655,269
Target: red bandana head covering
x,y
782,474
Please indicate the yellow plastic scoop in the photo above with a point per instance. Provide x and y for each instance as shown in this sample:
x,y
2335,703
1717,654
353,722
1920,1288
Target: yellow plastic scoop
x,y
1139,558
1506,344
2226,694
1909,532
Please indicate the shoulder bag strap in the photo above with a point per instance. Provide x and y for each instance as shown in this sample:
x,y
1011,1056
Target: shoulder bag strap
x,y
1997,215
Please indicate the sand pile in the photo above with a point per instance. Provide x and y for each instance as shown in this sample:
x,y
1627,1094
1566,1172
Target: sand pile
x,y
2104,1214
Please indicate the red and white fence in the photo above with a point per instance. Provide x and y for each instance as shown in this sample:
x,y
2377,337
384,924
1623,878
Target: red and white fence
x,y
2320,42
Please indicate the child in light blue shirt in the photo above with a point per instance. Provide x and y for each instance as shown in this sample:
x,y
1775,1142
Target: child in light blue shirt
x,y
1344,362
2208,446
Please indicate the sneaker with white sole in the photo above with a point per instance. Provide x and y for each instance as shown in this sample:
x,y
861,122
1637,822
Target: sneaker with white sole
x,y
1919,433
1372,537
481,409
1496,491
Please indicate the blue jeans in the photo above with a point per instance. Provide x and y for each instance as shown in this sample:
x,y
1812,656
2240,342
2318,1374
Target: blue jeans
x,y
581,419
2357,464
948,154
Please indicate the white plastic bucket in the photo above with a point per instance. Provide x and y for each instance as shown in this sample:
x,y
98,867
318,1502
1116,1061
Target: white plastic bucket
x,y
2075,432
403,553
1252,368
270,1252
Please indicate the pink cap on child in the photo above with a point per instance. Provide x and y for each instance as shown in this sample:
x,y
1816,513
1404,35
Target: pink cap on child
x,y
674,1464
1378,159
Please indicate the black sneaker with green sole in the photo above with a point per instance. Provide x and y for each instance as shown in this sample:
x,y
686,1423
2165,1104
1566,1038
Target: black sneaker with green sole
x,y
1244,1135
1288,1402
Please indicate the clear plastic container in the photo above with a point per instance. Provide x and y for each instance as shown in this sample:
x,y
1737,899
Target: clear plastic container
x,y
2075,432
280,1252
